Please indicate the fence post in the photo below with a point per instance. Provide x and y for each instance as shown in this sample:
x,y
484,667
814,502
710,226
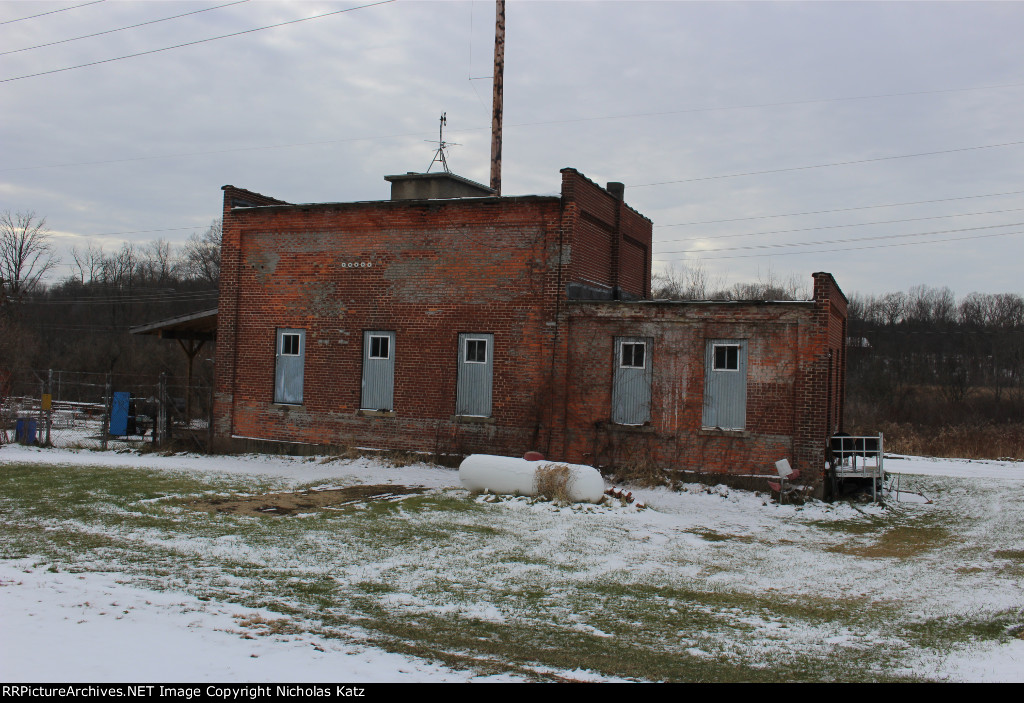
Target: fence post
x,y
162,412
41,423
49,405
106,414
209,423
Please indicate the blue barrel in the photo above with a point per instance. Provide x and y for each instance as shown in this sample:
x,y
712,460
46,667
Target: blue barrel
x,y
25,430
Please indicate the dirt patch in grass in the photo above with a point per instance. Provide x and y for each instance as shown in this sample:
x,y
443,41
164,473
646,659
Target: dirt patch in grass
x,y
899,542
302,501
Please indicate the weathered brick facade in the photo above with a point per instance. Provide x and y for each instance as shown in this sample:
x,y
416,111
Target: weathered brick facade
x,y
555,280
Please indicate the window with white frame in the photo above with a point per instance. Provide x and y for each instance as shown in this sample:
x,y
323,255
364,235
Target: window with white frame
x,y
476,350
726,357
632,354
380,346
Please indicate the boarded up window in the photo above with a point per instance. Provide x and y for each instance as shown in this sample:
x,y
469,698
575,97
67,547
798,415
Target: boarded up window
x,y
631,385
378,371
291,352
476,368
725,384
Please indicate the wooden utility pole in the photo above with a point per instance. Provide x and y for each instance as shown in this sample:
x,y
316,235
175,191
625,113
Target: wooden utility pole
x,y
496,108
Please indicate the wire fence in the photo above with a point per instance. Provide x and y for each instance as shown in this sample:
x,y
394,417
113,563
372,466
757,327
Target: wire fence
x,y
103,411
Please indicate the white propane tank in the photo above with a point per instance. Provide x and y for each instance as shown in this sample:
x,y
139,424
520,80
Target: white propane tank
x,y
513,476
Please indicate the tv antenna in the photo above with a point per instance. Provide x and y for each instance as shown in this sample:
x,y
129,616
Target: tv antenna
x,y
439,155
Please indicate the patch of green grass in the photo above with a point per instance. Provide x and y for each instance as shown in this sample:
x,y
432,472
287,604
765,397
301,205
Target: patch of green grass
x,y
713,536
375,587
1011,554
864,526
949,631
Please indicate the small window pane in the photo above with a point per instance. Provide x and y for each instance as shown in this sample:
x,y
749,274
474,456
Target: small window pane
x,y
476,351
633,355
379,348
727,357
290,344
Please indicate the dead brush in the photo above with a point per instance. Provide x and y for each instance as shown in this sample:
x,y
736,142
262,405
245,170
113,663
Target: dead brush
x,y
642,471
397,458
967,441
267,626
554,482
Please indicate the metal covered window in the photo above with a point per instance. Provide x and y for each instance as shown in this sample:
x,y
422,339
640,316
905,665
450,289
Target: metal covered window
x,y
289,367
725,384
378,391
631,385
476,369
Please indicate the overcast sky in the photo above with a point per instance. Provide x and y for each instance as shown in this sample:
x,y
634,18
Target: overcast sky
x,y
726,121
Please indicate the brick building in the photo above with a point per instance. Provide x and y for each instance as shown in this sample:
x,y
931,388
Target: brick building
x,y
448,319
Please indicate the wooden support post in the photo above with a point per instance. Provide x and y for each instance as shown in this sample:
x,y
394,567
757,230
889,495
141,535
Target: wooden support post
x,y
190,351
162,416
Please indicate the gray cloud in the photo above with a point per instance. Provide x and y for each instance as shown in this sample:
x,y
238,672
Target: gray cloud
x,y
355,83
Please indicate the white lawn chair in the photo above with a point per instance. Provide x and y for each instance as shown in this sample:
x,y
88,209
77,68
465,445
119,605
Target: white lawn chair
x,y
787,474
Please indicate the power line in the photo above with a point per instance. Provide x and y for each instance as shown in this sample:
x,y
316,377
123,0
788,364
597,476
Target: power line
x,y
216,151
844,209
828,165
121,29
193,43
52,12
840,241
748,106
511,126
855,224
872,246
138,231
127,299
724,236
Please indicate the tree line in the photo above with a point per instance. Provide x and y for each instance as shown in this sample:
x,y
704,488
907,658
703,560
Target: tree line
x,y
921,357
80,322
926,358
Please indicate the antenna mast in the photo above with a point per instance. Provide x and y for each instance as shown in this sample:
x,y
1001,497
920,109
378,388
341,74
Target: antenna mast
x,y
439,155
496,109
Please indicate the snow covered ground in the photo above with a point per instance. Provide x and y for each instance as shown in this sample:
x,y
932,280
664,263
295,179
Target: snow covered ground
x,y
97,624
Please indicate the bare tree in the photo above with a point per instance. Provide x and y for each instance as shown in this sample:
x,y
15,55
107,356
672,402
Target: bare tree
x,y
158,262
687,281
201,254
119,269
88,263
25,253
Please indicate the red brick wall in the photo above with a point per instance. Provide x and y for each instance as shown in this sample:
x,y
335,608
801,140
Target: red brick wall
x,y
679,333
429,270
610,242
426,271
